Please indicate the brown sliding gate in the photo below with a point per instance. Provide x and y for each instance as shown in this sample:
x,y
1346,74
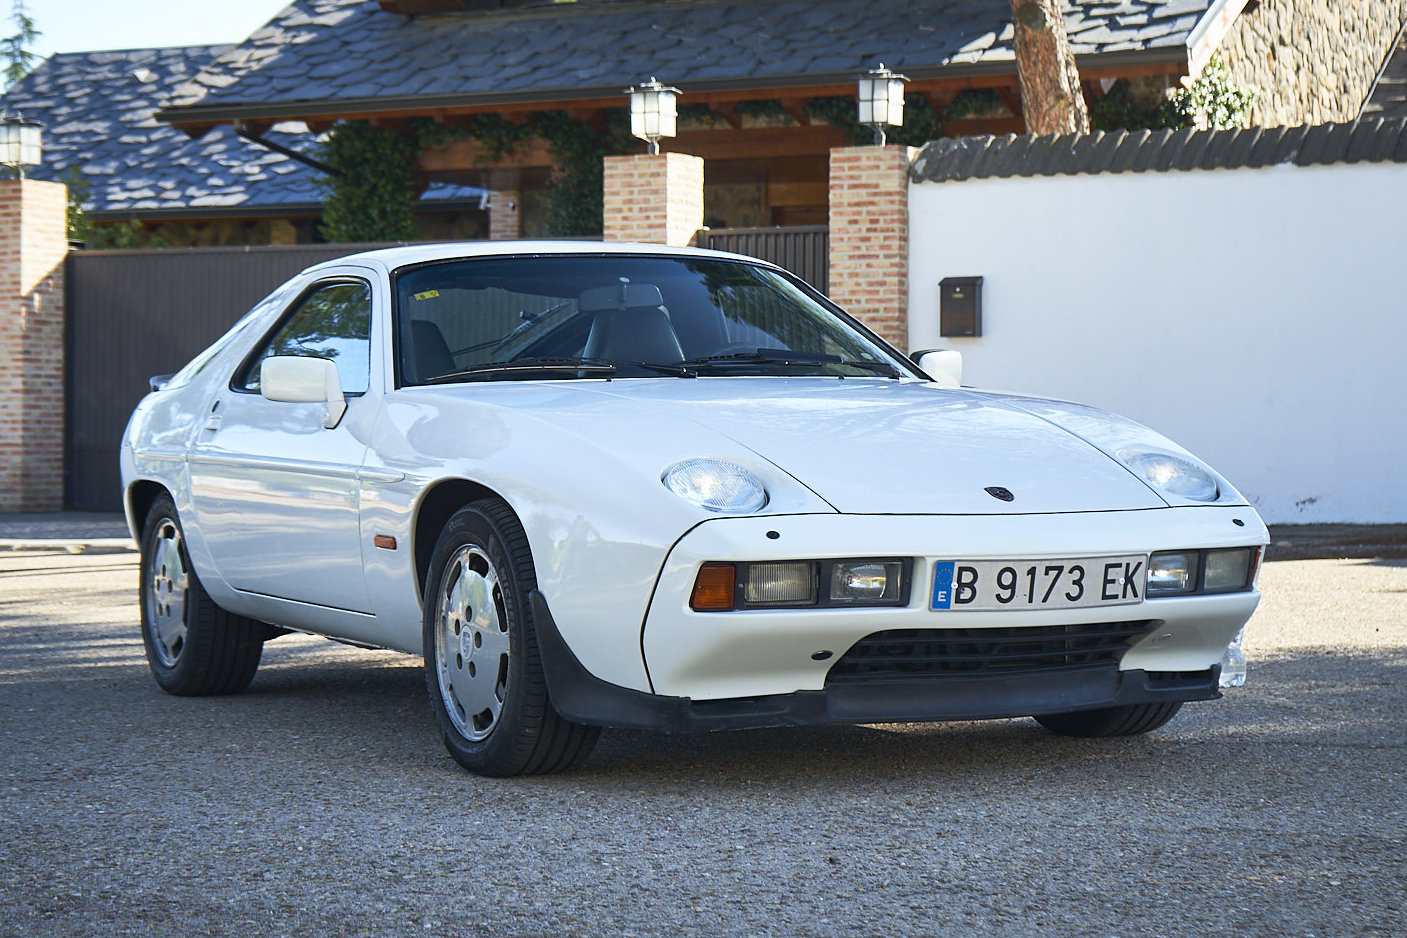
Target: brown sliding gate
x,y
805,251
133,314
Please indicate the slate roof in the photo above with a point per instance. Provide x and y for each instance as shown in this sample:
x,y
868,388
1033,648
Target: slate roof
x,y
331,56
1375,140
98,110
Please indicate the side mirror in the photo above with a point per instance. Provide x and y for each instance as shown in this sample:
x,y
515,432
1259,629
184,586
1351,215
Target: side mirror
x,y
296,380
944,366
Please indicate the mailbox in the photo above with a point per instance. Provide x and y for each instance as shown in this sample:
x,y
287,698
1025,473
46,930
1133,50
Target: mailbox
x,y
960,306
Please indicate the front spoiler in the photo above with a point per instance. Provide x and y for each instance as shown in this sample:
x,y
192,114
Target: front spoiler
x,y
582,697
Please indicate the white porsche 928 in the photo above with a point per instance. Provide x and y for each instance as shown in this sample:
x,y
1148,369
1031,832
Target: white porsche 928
x,y
631,486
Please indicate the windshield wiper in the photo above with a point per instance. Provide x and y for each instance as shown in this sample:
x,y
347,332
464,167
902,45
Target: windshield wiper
x,y
525,365
785,358
662,368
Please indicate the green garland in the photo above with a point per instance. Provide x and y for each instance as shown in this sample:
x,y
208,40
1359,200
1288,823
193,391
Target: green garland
x,y
921,122
971,102
371,196
577,181
79,227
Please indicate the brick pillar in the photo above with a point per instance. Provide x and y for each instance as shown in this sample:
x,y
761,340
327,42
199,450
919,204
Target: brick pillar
x,y
33,242
869,236
655,199
505,216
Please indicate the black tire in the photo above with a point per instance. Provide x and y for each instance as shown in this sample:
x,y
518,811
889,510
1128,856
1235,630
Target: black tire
x,y
194,647
482,666
1128,720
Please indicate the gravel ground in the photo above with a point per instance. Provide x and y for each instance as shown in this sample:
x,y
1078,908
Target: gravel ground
x,y
320,802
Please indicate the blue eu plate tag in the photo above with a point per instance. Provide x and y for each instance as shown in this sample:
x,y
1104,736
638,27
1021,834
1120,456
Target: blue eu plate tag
x,y
943,585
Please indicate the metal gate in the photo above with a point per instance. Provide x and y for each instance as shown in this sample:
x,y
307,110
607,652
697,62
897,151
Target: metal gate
x,y
133,314
805,251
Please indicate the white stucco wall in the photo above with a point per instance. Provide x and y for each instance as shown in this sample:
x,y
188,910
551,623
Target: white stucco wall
x,y
1256,316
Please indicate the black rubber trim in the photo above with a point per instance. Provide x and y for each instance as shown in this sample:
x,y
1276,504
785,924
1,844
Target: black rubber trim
x,y
581,696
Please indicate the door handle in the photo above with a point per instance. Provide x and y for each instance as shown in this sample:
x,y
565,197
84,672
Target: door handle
x,y
212,423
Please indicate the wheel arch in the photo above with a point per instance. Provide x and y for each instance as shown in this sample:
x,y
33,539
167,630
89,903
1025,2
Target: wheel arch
x,y
140,496
436,507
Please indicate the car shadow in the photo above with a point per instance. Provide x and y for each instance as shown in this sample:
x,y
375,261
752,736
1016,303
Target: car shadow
x,y
1301,698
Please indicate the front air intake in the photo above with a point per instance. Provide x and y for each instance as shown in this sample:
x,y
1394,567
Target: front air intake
x,y
909,653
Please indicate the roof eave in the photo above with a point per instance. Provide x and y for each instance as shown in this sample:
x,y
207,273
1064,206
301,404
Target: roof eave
x,y
264,210
1171,60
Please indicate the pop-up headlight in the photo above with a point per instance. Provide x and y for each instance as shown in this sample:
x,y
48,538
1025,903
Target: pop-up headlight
x,y
1173,475
716,485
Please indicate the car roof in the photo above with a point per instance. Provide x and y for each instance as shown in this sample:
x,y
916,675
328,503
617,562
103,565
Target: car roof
x,y
393,258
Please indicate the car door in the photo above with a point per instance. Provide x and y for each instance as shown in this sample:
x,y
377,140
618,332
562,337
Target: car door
x,y
274,491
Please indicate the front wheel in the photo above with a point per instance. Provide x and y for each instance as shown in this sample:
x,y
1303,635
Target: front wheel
x,y
482,667
1128,720
193,646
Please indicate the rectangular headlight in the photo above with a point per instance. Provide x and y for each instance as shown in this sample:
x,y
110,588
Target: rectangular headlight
x,y
1172,572
1227,570
868,582
779,584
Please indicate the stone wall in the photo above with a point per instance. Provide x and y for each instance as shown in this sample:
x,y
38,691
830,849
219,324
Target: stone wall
x,y
1310,61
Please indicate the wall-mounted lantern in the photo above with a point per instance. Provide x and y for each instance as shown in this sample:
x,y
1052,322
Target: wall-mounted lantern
x,y
652,112
881,100
20,142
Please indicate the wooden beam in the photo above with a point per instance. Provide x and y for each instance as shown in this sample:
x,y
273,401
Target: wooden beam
x,y
757,143
1011,97
468,154
795,107
729,112
798,193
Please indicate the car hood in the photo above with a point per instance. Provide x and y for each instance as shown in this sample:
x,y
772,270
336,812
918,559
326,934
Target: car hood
x,y
888,447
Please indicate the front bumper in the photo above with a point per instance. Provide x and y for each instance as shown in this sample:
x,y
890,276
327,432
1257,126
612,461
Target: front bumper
x,y
580,696
764,667
767,652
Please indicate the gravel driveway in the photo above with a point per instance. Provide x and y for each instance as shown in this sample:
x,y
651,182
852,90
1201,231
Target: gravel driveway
x,y
320,802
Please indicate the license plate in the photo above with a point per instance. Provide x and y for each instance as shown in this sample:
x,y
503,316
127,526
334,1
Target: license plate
x,y
1038,584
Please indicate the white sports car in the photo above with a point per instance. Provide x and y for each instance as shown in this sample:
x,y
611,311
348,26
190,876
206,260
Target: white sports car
x,y
633,486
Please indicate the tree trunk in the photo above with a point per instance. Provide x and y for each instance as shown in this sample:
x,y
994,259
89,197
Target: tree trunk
x,y
1051,100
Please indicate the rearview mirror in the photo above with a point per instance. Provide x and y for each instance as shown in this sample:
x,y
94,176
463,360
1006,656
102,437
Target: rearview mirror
x,y
622,296
296,380
944,366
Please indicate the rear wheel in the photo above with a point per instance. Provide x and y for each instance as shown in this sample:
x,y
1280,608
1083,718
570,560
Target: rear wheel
x,y
1128,720
193,646
482,667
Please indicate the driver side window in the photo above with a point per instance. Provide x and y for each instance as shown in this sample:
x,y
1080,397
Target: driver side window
x,y
332,322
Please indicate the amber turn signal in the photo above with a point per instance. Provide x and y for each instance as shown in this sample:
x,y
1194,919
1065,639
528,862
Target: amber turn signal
x,y
713,588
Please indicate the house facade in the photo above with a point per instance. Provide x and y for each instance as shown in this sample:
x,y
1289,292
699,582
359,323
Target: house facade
x,y
767,88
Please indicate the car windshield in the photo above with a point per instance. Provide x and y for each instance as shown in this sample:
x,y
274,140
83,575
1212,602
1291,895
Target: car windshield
x,y
617,315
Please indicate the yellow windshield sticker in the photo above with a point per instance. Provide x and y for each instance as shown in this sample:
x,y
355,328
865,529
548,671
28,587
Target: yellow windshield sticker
x,y
427,295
